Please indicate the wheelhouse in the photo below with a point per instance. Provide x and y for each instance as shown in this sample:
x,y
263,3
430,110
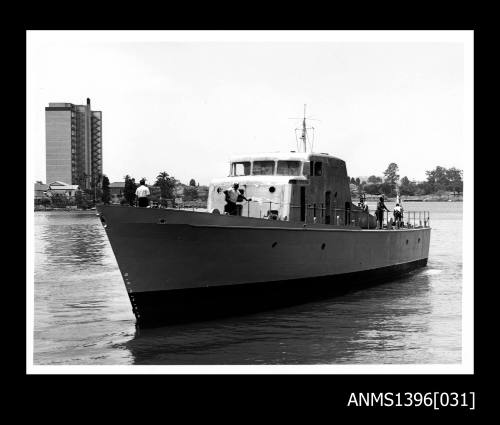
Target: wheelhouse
x,y
294,186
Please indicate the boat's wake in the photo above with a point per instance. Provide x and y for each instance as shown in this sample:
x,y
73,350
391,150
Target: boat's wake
x,y
432,272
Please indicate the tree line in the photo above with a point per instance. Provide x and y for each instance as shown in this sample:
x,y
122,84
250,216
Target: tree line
x,y
438,180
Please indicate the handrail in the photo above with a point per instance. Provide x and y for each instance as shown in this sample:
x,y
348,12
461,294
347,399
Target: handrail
x,y
350,217
318,214
412,221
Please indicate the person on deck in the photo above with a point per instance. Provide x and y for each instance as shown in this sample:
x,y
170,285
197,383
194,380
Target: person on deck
x,y
380,212
362,204
398,215
233,196
142,193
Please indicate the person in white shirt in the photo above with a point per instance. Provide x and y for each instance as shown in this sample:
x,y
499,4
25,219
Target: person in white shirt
x,y
398,215
233,195
142,193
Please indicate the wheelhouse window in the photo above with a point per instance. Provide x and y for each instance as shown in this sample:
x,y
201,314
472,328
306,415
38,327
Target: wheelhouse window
x,y
263,168
318,168
289,168
240,168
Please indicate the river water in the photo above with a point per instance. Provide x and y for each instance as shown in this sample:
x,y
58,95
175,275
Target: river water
x,y
82,315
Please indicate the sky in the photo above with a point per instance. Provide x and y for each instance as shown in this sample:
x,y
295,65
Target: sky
x,y
185,104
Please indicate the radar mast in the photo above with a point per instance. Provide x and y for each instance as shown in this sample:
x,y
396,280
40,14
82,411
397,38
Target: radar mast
x,y
304,135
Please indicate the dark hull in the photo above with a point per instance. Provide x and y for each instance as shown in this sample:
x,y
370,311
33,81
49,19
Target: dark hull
x,y
159,308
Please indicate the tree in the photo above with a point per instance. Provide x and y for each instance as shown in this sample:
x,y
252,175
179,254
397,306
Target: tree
x,y
353,181
190,193
372,188
441,179
45,202
387,189
95,185
129,189
374,179
405,181
437,178
154,194
192,182
391,178
106,195
391,174
81,200
167,186
358,181
454,177
424,188
59,200
407,187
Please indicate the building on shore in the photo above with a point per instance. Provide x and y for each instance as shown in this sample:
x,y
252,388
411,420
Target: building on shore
x,y
41,191
73,144
62,188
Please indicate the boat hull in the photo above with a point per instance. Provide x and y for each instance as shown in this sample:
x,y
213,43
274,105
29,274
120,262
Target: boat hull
x,y
181,265
156,308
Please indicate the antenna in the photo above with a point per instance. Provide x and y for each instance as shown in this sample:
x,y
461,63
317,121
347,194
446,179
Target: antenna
x,y
304,136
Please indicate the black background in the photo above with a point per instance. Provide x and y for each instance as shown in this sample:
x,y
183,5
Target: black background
x,y
240,398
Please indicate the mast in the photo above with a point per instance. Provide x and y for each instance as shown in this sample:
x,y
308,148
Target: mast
x,y
304,131
304,136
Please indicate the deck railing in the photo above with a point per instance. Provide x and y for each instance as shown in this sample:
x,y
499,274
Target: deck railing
x,y
355,218
319,214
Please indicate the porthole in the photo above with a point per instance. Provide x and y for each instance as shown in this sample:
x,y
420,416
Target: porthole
x,y
274,244
272,189
323,246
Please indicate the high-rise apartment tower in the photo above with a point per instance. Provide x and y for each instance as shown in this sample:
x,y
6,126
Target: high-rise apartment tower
x,y
73,144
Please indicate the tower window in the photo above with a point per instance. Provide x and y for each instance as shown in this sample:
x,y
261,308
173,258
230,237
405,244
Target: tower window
x,y
318,168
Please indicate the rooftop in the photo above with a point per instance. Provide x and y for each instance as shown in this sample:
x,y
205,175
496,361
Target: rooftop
x,y
41,186
60,105
58,185
284,156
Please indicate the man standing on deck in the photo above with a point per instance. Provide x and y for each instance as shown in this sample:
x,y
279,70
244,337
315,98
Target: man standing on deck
x,y
231,199
398,215
233,195
142,193
380,212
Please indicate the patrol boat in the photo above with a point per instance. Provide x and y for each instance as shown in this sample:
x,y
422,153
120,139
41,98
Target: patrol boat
x,y
298,237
